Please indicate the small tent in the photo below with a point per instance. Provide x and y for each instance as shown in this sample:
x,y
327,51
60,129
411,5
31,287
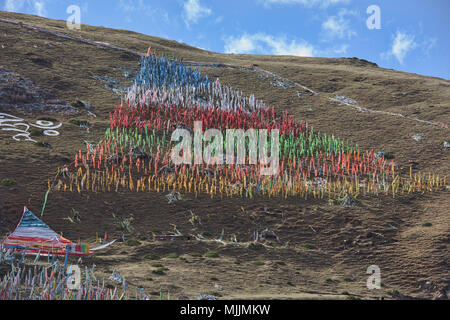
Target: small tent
x,y
33,236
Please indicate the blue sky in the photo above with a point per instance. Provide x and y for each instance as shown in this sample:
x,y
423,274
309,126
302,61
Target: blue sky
x,y
414,34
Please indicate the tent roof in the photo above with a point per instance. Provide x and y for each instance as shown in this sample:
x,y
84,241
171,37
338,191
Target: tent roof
x,y
33,234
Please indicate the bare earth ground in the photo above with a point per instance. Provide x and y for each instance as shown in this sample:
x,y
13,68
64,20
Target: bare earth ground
x,y
324,250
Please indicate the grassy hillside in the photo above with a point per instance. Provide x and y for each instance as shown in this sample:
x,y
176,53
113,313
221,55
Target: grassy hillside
x,y
325,248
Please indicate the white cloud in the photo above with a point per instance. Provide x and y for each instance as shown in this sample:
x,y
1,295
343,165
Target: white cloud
x,y
127,5
193,11
341,50
428,45
28,6
261,43
339,26
402,44
308,3
133,7
39,8
13,5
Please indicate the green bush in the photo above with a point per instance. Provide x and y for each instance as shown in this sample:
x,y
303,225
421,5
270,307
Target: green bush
x,y
255,246
211,254
43,144
132,243
393,292
36,132
308,246
79,123
76,104
160,271
196,254
157,265
8,182
258,263
274,244
48,119
75,122
151,256
171,256
389,156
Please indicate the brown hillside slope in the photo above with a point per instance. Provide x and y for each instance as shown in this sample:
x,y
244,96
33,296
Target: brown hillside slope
x,y
325,249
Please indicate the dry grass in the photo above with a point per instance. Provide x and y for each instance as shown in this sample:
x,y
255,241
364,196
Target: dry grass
x,y
407,254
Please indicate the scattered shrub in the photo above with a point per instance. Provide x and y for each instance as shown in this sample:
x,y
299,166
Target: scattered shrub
x,y
36,132
171,256
427,224
48,119
125,224
274,244
75,122
8,182
389,156
258,263
255,246
43,144
77,104
196,254
217,294
132,243
211,254
151,256
160,271
308,246
393,293
80,123
157,265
